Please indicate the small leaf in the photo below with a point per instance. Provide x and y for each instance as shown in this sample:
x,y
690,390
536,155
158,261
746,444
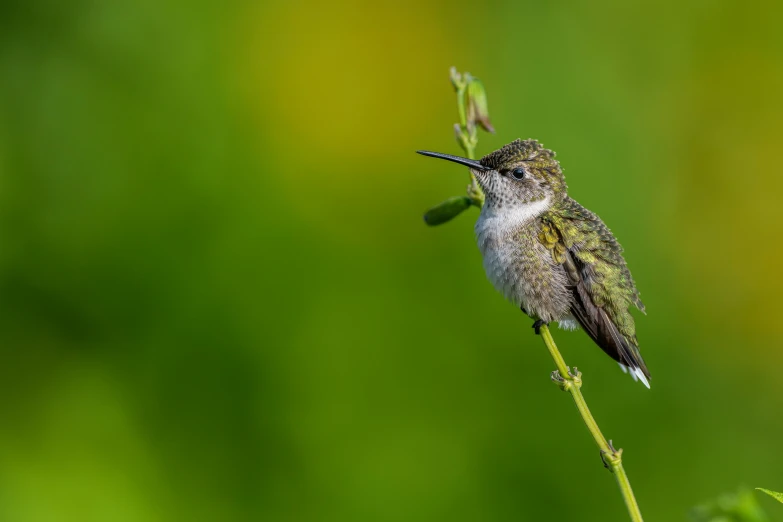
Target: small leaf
x,y
741,506
774,494
447,210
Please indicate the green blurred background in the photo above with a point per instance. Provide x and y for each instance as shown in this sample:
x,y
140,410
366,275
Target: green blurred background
x,y
218,300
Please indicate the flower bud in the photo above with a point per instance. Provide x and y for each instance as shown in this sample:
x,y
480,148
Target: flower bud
x,y
477,105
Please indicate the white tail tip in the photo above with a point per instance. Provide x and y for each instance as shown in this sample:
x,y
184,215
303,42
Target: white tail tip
x,y
636,373
641,376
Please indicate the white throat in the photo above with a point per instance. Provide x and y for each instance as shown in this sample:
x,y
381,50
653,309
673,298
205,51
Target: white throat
x,y
508,219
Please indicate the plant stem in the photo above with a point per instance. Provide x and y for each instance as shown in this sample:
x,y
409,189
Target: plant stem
x,y
466,131
612,458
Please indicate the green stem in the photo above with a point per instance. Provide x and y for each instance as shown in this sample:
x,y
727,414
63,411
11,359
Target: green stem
x,y
612,458
475,193
466,132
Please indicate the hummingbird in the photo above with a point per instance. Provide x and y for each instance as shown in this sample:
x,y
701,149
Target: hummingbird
x,y
549,255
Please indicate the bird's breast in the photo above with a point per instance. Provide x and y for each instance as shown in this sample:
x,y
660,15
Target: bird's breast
x,y
504,251
520,267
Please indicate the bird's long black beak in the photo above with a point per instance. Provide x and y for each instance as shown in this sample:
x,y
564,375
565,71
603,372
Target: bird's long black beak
x,y
456,159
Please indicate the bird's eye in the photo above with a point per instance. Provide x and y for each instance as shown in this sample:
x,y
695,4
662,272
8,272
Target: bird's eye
x,y
518,173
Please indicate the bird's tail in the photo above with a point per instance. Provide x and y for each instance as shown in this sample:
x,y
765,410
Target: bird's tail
x,y
636,373
604,332
621,350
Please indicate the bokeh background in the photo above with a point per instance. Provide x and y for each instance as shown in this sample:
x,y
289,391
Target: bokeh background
x,y
218,300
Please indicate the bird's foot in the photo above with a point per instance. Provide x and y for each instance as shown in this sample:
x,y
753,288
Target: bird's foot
x,y
611,458
537,326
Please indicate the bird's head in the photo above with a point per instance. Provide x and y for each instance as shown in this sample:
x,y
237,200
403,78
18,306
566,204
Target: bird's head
x,y
520,173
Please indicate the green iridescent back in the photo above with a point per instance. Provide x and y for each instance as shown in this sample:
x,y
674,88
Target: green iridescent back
x,y
568,226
